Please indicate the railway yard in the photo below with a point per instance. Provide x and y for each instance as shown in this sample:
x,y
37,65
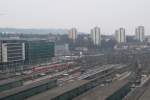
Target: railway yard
x,y
42,82
73,81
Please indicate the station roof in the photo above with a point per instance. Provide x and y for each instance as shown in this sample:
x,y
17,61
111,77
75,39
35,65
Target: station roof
x,y
140,92
22,88
10,80
102,92
146,95
57,91
67,87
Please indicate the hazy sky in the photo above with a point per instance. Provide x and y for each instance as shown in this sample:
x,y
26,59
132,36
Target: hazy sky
x,y
82,14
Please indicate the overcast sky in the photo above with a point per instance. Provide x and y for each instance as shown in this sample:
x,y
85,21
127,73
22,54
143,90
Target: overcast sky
x,y
82,14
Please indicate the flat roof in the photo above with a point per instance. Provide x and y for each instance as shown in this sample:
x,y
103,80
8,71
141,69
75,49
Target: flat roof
x,y
22,88
50,94
102,92
9,80
21,39
140,93
98,93
146,95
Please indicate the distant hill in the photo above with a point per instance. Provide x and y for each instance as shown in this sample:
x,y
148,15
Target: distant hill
x,y
33,31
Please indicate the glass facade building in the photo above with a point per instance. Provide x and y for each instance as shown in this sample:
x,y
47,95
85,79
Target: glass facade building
x,y
37,52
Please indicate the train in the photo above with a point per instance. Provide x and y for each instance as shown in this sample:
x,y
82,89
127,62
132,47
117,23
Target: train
x,y
53,66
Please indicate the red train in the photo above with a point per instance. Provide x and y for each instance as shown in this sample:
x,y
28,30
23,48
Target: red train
x,y
53,67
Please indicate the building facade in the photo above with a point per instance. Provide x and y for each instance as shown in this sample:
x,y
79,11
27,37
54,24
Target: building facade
x,y
120,35
0,51
62,49
12,55
73,34
139,33
96,36
38,52
15,54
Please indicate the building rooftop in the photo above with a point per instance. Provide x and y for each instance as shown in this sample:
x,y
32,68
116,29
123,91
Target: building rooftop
x,y
102,92
22,88
57,91
140,93
21,39
146,95
10,80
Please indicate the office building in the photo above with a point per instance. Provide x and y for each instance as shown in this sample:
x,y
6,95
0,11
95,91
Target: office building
x,y
73,34
12,55
96,36
38,51
120,35
139,33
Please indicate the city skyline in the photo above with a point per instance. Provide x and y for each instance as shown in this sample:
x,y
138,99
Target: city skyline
x,y
65,14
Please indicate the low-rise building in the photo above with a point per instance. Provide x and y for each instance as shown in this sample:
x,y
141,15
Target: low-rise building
x,y
62,49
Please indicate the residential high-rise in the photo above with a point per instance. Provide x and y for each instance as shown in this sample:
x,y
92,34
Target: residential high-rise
x,y
96,36
120,35
73,34
139,33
